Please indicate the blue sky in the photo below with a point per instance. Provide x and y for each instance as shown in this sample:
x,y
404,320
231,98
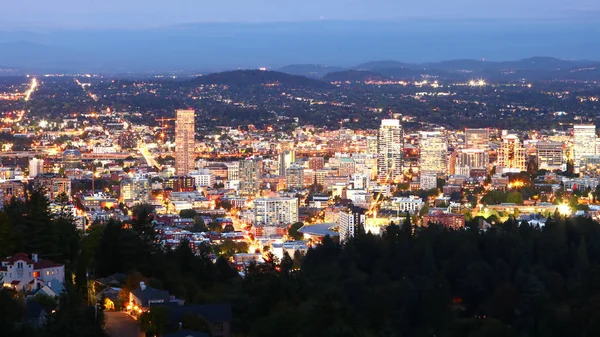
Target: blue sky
x,y
150,13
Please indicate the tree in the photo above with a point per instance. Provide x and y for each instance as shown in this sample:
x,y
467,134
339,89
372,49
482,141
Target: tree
x,y
188,213
154,321
293,232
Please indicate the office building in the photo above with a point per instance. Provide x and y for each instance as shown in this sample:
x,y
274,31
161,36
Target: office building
x,y
472,158
250,171
433,149
584,143
135,190
36,166
294,176
477,138
511,155
550,155
390,151
271,211
184,142
286,158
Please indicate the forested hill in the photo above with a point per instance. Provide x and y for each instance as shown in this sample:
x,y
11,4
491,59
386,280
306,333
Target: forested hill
x,y
241,78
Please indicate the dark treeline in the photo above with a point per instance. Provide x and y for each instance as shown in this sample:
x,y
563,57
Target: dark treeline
x,y
511,280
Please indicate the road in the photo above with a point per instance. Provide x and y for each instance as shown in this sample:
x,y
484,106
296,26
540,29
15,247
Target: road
x,y
143,148
120,324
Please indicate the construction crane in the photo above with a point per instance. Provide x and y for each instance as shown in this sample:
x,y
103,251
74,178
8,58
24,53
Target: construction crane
x,y
162,121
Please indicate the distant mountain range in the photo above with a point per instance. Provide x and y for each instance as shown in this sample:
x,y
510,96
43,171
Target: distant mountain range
x,y
534,68
248,78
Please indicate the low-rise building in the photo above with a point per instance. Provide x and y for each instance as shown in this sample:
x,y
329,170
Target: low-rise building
x,y
21,272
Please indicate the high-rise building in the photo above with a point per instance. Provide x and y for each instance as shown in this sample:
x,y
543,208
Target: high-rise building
x,y
249,173
294,176
477,138
550,155
36,166
271,211
184,142
316,163
511,155
472,158
351,220
390,151
433,149
584,143
286,158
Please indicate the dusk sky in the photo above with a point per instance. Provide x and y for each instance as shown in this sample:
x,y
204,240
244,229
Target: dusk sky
x,y
149,13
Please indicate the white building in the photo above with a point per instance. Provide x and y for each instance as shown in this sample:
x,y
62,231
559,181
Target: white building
x,y
390,151
584,143
276,210
202,178
412,204
511,155
21,272
351,220
36,166
428,181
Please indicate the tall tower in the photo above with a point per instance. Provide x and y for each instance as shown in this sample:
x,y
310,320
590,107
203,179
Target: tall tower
x,y
286,158
390,147
511,155
250,172
584,140
433,149
184,142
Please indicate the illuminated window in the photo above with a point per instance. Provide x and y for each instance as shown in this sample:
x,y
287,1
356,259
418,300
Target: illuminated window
x,y
36,274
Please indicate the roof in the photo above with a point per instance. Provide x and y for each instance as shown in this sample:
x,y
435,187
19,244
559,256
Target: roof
x,y
321,229
186,333
211,312
41,264
150,294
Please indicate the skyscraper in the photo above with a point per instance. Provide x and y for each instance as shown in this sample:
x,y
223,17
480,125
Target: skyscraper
x,y
249,175
294,176
584,143
511,155
184,142
286,158
477,138
433,149
390,147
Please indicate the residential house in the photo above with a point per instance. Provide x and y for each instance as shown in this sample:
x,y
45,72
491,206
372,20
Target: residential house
x,y
21,272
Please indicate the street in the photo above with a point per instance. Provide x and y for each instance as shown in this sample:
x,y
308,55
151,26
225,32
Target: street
x,y
120,324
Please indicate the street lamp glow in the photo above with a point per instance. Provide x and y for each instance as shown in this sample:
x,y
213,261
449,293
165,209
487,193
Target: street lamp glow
x,y
43,124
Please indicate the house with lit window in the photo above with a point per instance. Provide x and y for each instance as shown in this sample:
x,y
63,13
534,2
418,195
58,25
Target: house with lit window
x,y
22,272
